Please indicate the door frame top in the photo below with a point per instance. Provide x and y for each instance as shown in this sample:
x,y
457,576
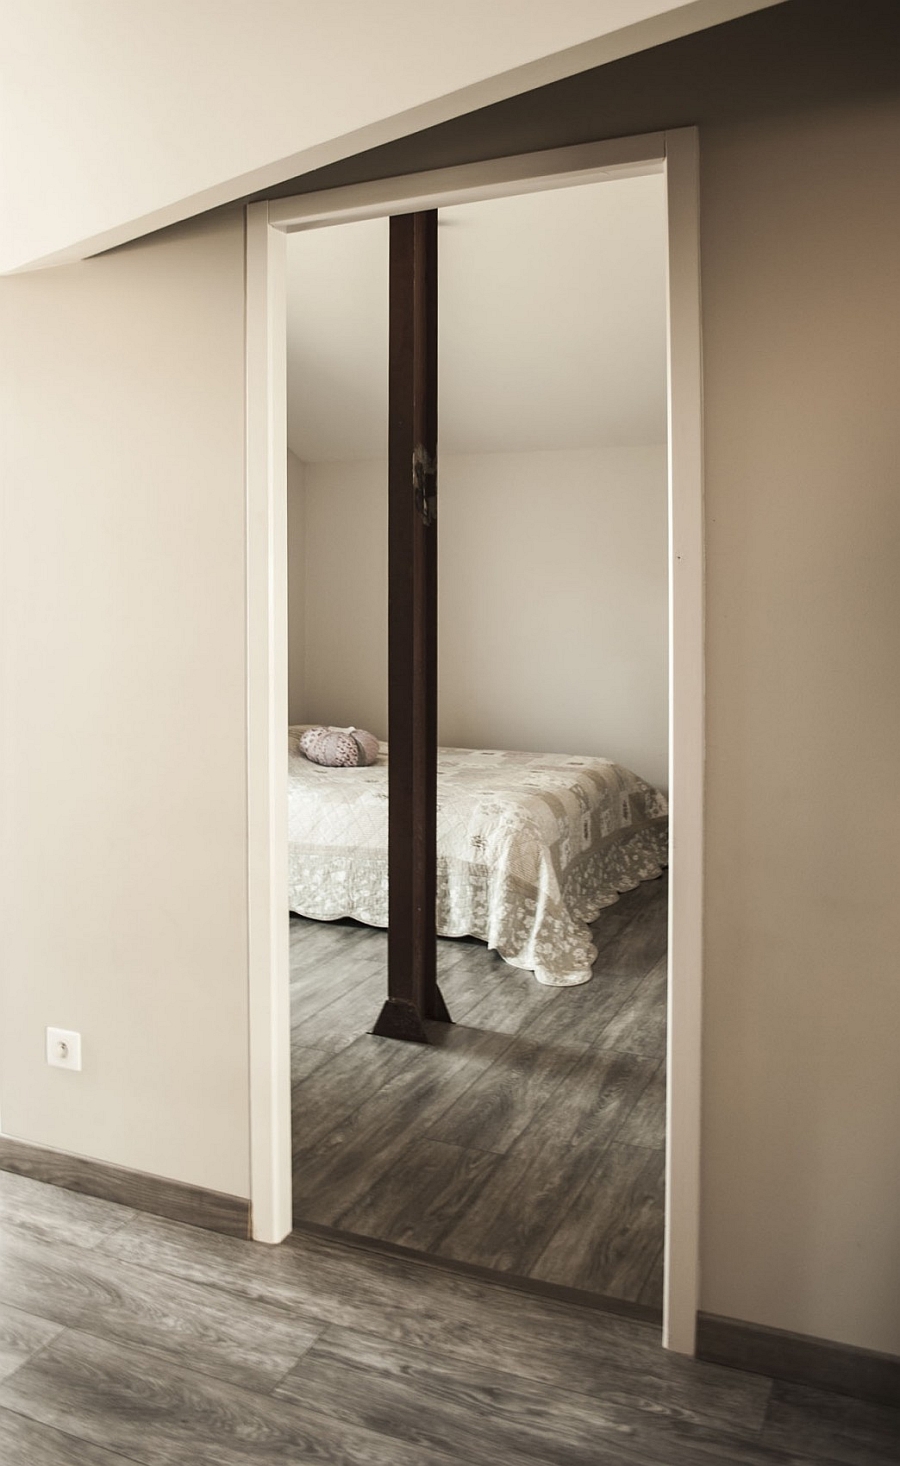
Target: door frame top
x,y
467,183
676,154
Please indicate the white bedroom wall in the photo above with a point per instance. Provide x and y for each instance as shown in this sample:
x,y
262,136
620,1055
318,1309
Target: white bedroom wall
x,y
296,587
553,581
344,606
122,689
553,604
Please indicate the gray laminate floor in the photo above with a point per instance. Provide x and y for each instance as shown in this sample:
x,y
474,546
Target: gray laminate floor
x,y
528,1139
125,1338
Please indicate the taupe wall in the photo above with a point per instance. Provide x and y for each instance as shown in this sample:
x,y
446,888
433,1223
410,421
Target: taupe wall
x,y
123,652
553,584
801,1068
122,744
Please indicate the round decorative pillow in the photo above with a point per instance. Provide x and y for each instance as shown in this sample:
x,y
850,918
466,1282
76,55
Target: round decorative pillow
x,y
339,748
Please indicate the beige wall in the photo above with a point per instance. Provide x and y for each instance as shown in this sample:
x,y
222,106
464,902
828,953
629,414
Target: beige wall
x,y
801,1074
122,747
553,601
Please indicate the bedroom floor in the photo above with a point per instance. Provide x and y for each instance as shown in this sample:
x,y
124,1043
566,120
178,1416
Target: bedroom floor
x,y
528,1139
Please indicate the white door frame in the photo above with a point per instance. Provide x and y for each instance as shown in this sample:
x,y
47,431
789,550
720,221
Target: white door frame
x,y
675,154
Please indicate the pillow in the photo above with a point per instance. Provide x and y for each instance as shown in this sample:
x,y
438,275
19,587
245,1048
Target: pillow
x,y
339,748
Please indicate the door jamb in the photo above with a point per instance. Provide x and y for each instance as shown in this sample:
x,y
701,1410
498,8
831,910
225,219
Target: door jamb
x,y
676,154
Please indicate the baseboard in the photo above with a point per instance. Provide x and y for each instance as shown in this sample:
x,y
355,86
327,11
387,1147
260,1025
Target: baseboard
x,y
558,1292
847,1370
176,1200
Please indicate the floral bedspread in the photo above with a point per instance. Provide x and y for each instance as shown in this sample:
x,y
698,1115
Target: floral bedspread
x,y
531,847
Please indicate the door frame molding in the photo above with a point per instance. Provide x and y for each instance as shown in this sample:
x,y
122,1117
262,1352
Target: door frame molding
x,y
676,154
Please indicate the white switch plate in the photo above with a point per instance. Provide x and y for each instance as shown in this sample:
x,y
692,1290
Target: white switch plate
x,y
63,1048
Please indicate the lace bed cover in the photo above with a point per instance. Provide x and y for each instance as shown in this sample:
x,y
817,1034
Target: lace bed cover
x,y
531,847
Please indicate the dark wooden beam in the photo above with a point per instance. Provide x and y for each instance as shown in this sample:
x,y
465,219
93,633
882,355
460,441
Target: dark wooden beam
x,y
413,993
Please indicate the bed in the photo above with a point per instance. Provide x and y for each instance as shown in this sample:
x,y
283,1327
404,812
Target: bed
x,y
531,848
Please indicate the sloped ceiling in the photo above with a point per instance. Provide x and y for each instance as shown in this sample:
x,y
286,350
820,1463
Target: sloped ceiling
x,y
119,117
551,328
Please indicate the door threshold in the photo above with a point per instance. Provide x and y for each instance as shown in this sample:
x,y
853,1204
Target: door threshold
x,y
557,1292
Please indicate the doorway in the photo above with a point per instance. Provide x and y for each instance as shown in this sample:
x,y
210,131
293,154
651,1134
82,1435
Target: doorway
x,y
265,284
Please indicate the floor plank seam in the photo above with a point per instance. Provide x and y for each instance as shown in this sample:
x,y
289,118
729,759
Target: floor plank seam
x,y
70,1435
631,991
572,1202
553,1294
35,1353
221,1287
301,1414
347,1118
650,1272
325,1329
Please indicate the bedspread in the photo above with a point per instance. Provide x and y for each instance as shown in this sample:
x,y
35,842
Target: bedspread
x,y
531,847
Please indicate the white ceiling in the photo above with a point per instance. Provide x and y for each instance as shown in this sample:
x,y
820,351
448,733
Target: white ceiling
x,y
551,328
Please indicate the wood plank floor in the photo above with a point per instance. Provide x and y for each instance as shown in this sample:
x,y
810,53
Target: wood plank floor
x,y
527,1139
130,1339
